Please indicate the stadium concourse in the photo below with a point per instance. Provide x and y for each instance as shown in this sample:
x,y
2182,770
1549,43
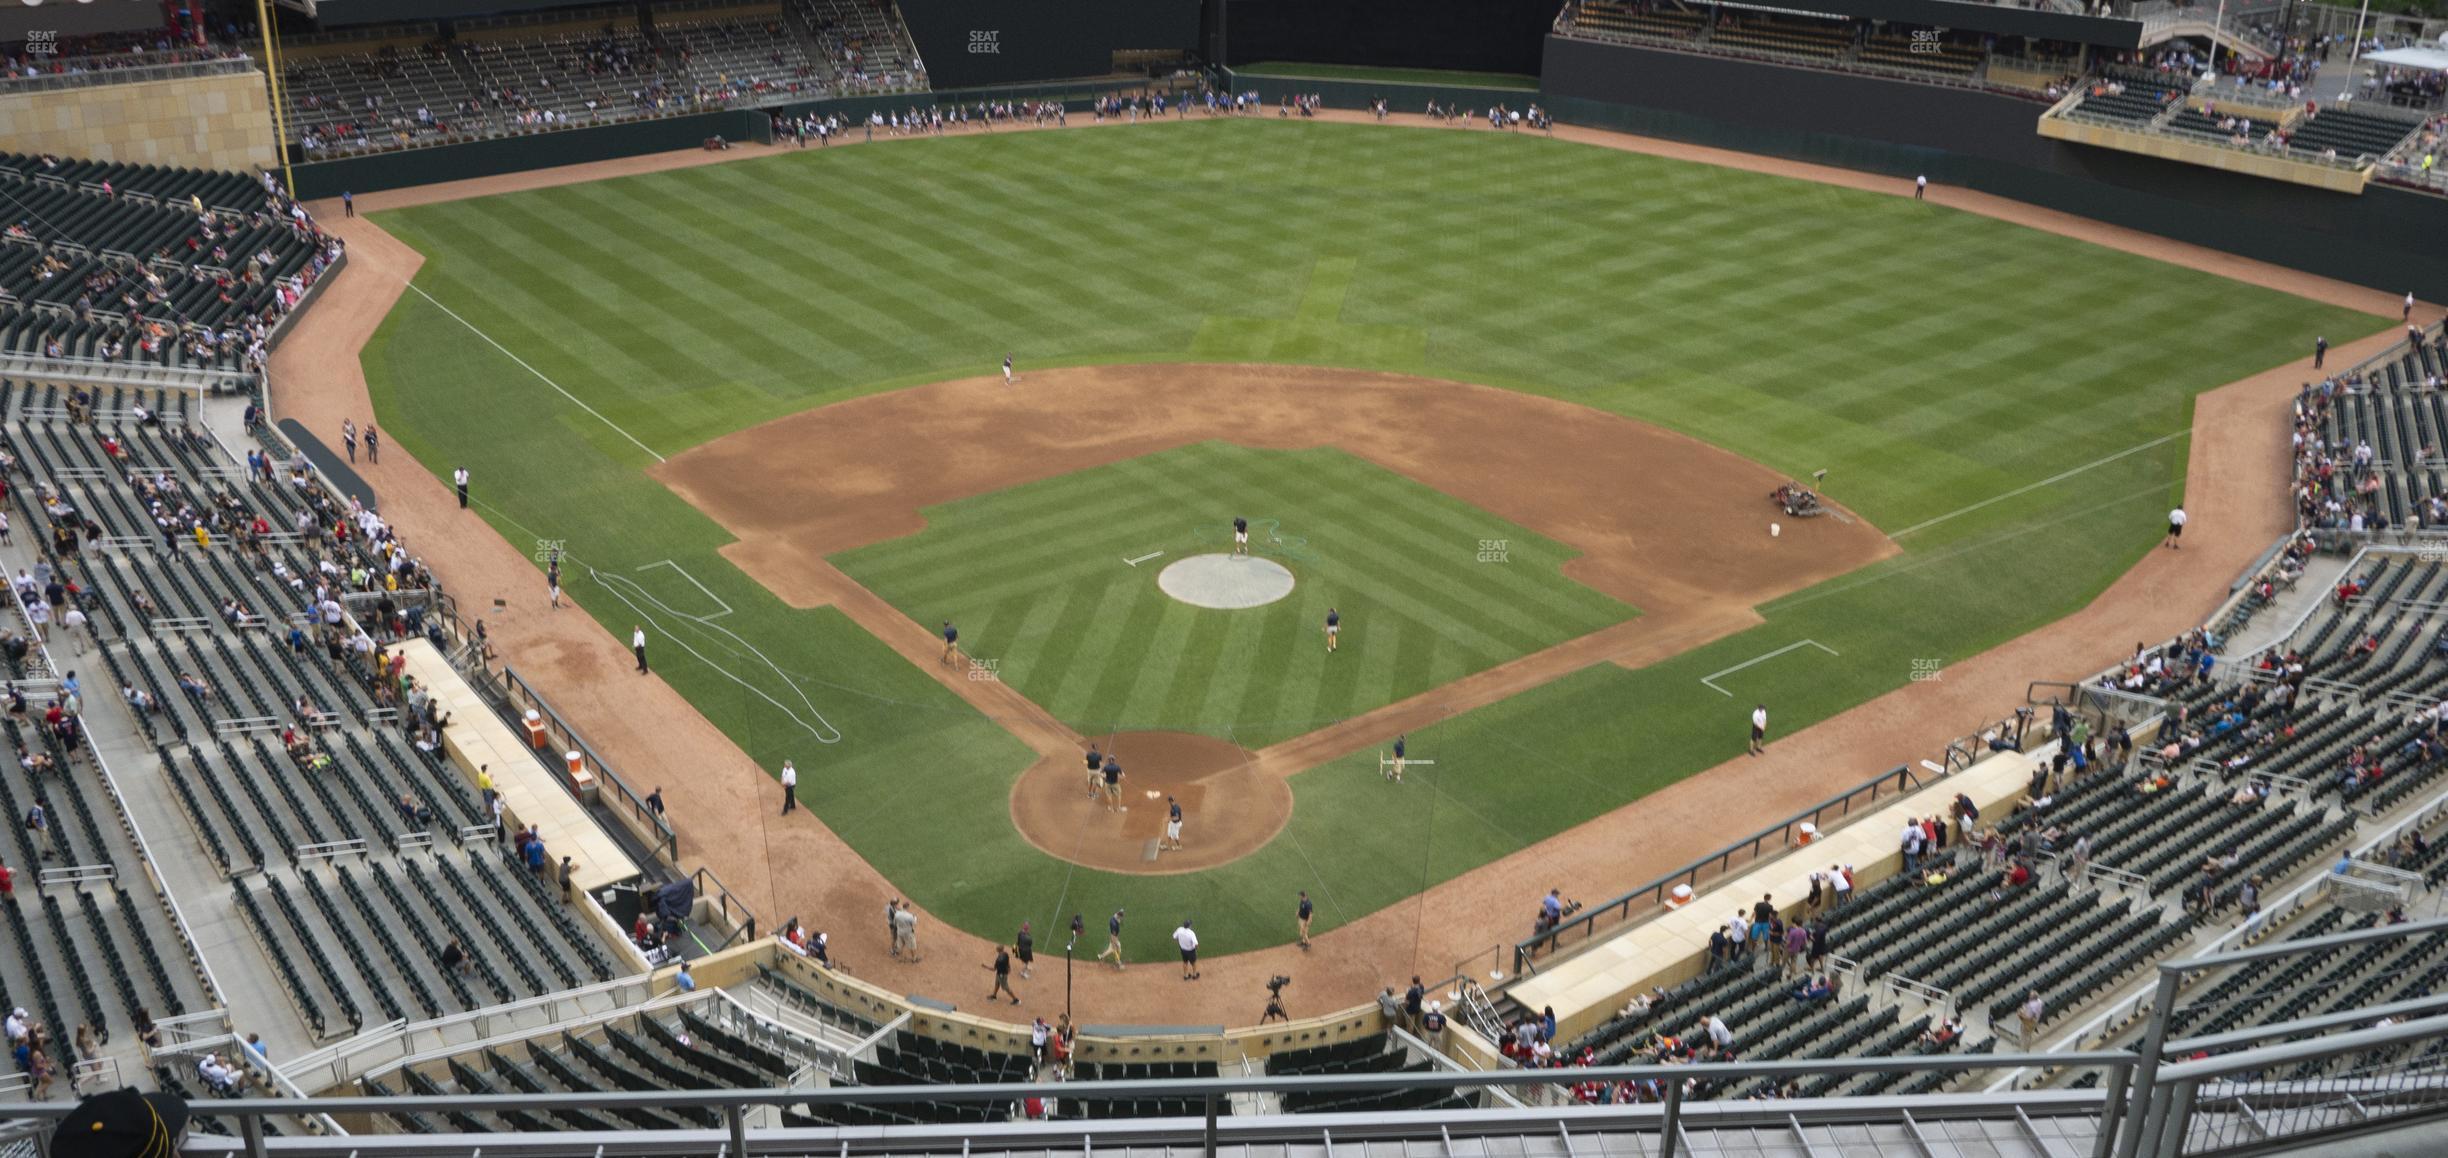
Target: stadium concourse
x,y
792,865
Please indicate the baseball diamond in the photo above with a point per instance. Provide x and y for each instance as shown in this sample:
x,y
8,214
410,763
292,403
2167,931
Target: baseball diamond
x,y
1035,553
1868,400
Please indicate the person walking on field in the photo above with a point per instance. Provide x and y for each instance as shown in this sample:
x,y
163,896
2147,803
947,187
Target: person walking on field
x,y
2176,526
1307,911
373,441
637,644
1921,188
1002,975
459,480
1007,370
348,437
2320,352
1113,940
1240,535
1024,947
1396,770
1173,825
1096,773
905,931
1334,627
1187,938
790,787
1759,727
951,637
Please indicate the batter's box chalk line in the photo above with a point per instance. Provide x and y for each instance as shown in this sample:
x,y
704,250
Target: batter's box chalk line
x,y
672,625
1712,678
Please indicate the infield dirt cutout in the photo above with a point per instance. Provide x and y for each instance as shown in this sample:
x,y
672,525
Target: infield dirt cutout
x,y
1666,523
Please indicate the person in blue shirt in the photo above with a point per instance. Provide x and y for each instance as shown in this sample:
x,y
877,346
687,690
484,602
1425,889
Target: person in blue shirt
x,y
687,983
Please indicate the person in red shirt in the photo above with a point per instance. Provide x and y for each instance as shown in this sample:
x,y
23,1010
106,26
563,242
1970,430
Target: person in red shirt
x,y
8,883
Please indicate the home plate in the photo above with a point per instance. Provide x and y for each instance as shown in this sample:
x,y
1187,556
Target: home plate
x,y
1153,794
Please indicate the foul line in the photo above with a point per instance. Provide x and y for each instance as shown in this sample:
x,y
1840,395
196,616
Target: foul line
x,y
1143,558
633,441
1710,678
2049,481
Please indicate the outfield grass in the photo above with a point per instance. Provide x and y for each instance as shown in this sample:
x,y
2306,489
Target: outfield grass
x,y
1928,358
1035,579
1360,72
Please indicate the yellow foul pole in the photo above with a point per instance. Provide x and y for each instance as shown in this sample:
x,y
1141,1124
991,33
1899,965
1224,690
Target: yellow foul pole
x,y
280,115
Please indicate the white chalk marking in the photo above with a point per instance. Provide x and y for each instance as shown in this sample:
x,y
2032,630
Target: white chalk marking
x,y
633,441
1143,558
2049,481
709,594
1711,679
639,600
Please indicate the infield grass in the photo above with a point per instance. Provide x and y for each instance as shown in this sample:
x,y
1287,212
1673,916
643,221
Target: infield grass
x,y
1036,579
1930,359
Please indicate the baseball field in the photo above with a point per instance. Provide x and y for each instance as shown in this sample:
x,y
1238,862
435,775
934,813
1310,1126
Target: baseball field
x,y
1510,405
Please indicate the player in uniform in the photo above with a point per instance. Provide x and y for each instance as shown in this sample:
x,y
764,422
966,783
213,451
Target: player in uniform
x,y
1007,373
1334,627
1395,772
1240,535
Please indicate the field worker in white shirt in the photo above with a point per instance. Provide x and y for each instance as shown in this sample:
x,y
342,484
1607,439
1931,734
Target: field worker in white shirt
x,y
1188,940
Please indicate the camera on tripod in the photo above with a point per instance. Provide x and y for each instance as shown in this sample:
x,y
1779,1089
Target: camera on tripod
x,y
1274,1006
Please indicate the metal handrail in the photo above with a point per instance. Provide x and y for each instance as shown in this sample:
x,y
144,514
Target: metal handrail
x,y
129,74
1175,1088
1586,922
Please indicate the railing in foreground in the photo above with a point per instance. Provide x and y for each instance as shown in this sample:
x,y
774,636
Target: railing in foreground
x,y
1212,1094
1584,926
2231,1093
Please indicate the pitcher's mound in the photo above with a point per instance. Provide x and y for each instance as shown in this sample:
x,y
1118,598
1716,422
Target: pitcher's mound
x,y
1229,809
1225,582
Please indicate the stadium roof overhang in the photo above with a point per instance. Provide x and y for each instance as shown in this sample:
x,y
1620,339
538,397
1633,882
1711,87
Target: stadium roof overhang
x,y
2424,57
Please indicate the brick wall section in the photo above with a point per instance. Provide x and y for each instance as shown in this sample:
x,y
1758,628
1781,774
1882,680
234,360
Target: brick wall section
x,y
204,122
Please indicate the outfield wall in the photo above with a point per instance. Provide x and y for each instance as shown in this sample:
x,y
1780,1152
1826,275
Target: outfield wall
x,y
2386,238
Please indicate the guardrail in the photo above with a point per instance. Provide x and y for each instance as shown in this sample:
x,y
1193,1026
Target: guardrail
x,y
649,824
1211,1094
1585,924
129,74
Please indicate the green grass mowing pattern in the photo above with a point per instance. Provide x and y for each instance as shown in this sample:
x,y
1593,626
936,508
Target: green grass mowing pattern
x,y
1034,576
1295,70
1930,359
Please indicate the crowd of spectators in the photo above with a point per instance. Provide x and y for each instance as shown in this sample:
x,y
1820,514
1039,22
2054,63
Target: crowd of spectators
x,y
135,303
105,52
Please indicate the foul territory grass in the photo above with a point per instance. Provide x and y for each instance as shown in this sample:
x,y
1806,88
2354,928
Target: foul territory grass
x,y
1429,588
1928,359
